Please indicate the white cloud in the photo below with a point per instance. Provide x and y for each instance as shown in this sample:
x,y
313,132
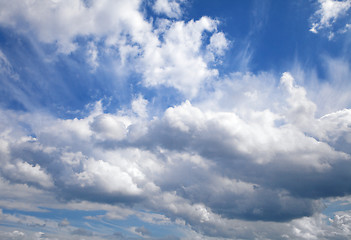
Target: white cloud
x,y
22,219
171,8
301,110
107,126
218,44
24,172
328,13
179,60
139,106
52,20
206,164
335,127
6,67
106,177
189,163
72,158
92,56
171,53
256,133
14,235
342,222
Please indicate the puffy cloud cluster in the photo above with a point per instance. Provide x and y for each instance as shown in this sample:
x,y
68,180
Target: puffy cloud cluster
x,y
169,53
180,60
205,167
51,21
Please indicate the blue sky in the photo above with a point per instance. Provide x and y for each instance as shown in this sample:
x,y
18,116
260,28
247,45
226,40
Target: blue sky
x,y
175,119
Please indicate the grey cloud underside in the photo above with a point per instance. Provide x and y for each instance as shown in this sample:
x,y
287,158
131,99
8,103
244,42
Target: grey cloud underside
x,y
193,155
284,190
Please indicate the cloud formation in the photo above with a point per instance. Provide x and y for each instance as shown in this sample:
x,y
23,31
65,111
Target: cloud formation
x,y
328,14
164,52
238,155
201,166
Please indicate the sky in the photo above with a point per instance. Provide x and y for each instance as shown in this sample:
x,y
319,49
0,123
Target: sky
x,y
175,119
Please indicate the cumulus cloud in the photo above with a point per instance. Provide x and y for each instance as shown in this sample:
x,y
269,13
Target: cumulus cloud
x,y
342,222
168,53
108,127
218,45
202,166
301,110
179,61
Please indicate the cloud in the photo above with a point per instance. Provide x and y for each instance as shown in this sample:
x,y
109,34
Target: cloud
x,y
6,67
168,53
24,172
328,13
342,222
206,166
15,235
169,8
104,176
23,219
64,223
82,232
241,155
201,161
142,230
107,126
51,21
180,61
218,44
139,106
92,55
301,111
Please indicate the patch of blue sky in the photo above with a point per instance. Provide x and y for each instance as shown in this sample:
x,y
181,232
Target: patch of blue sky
x,y
57,214
95,221
335,206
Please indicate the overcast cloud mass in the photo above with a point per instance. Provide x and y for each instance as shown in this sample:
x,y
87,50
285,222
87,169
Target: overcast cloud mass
x,y
175,119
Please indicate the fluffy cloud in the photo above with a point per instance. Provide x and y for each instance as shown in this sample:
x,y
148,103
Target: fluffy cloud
x,y
169,53
51,20
180,61
169,8
342,222
24,172
203,166
328,13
